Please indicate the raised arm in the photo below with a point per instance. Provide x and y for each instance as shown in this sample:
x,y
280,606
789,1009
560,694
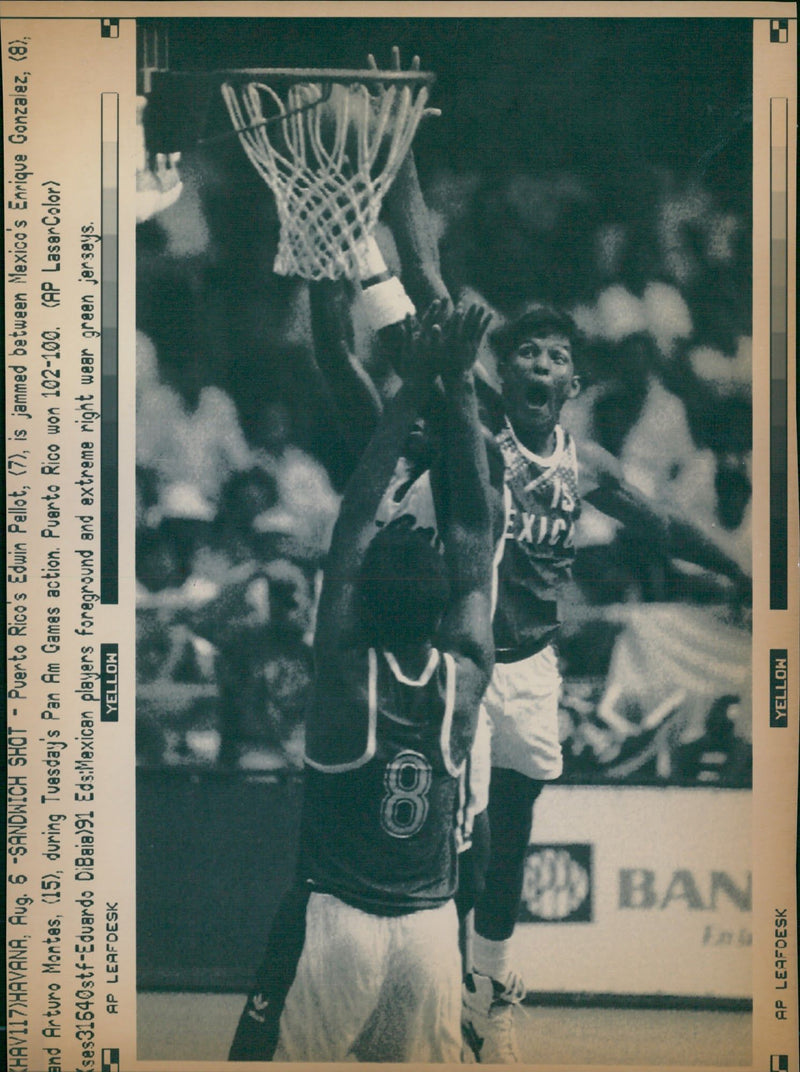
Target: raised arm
x,y
408,216
466,628
386,299
357,400
674,536
337,618
412,230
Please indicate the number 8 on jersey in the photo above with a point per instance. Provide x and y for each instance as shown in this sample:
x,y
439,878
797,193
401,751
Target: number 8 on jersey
x,y
404,807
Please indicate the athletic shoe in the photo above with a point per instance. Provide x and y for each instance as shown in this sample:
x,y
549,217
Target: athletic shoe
x,y
487,1017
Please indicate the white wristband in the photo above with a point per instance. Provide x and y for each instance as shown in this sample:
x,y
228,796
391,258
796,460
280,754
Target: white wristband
x,y
387,303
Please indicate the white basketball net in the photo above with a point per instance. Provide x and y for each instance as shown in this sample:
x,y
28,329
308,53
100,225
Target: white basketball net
x,y
329,165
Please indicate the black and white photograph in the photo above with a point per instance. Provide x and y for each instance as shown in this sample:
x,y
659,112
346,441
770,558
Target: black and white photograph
x,y
402,535
443,540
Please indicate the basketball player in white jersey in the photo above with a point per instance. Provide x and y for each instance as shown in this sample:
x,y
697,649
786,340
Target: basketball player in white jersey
x,y
546,473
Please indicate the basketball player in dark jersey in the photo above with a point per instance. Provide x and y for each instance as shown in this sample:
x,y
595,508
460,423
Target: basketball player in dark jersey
x,y
403,652
546,475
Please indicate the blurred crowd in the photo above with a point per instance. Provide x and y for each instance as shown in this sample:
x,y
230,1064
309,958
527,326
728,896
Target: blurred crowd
x,y
230,542
240,460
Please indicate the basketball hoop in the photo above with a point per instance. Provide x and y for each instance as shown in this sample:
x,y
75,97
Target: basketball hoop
x,y
329,145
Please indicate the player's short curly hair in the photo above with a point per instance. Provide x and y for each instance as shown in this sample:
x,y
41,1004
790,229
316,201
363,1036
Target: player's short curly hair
x,y
403,586
536,320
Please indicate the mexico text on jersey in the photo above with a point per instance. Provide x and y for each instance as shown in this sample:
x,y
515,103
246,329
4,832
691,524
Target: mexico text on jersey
x,y
542,507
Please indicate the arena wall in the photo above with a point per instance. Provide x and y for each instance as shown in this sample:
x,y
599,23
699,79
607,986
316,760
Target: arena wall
x,y
631,893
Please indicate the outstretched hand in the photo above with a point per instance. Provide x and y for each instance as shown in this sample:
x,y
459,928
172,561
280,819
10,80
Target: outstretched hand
x,y
451,340
396,66
443,343
409,358
158,189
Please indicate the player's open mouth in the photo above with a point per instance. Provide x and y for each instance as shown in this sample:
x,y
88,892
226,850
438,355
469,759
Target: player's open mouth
x,y
537,395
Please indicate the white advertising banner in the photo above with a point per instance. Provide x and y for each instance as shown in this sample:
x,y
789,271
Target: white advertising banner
x,y
639,891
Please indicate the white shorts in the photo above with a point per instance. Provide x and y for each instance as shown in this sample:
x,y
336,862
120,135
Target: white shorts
x,y
374,988
521,706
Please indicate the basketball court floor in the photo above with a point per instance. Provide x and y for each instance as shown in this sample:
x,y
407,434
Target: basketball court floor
x,y
199,1027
